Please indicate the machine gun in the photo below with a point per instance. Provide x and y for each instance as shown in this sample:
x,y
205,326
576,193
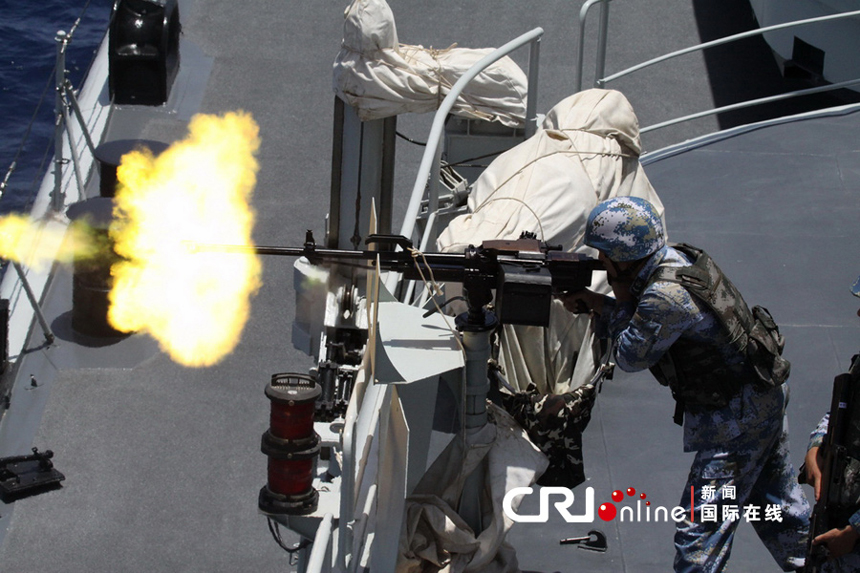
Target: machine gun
x,y
840,481
525,273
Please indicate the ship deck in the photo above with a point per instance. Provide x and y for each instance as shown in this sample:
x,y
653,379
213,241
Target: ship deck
x,y
163,462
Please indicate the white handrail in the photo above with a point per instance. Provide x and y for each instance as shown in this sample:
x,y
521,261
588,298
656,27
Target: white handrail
x,y
367,400
347,480
600,82
750,103
720,41
433,150
436,130
361,524
318,560
64,94
531,98
601,40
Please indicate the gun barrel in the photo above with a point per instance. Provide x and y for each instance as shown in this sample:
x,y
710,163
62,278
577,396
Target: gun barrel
x,y
276,251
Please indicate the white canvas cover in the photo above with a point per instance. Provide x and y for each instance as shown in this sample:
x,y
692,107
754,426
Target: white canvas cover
x,y
587,150
435,538
380,77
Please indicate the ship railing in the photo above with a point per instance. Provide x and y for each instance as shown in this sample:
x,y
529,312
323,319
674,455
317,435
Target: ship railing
x,y
320,557
72,143
602,31
361,418
600,64
65,104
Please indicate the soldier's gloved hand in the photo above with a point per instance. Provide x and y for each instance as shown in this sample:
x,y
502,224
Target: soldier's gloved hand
x,y
813,469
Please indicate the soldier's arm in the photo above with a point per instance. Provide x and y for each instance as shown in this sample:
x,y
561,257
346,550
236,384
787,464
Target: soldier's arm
x,y
812,463
814,457
839,541
660,318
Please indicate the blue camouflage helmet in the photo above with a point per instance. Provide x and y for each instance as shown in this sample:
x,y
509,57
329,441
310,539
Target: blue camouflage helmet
x,y
625,229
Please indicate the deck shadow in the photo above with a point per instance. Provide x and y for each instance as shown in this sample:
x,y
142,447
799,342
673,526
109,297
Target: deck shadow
x,y
748,69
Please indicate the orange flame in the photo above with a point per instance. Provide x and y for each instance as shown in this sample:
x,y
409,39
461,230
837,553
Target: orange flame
x,y
197,191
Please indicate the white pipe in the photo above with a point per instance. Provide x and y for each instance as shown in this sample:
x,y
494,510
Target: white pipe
x,y
583,15
317,560
361,524
433,141
750,103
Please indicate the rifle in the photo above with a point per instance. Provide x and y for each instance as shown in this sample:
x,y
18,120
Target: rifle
x,y
525,273
837,499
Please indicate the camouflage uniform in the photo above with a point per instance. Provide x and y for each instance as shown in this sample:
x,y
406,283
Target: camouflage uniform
x,y
555,424
850,562
741,443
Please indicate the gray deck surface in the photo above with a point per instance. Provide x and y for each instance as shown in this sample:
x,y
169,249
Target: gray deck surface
x,y
162,462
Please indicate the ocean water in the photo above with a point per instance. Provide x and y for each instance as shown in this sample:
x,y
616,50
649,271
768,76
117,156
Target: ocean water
x,y
28,54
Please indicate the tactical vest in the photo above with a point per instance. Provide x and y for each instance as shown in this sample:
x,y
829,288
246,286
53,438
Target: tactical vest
x,y
697,373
